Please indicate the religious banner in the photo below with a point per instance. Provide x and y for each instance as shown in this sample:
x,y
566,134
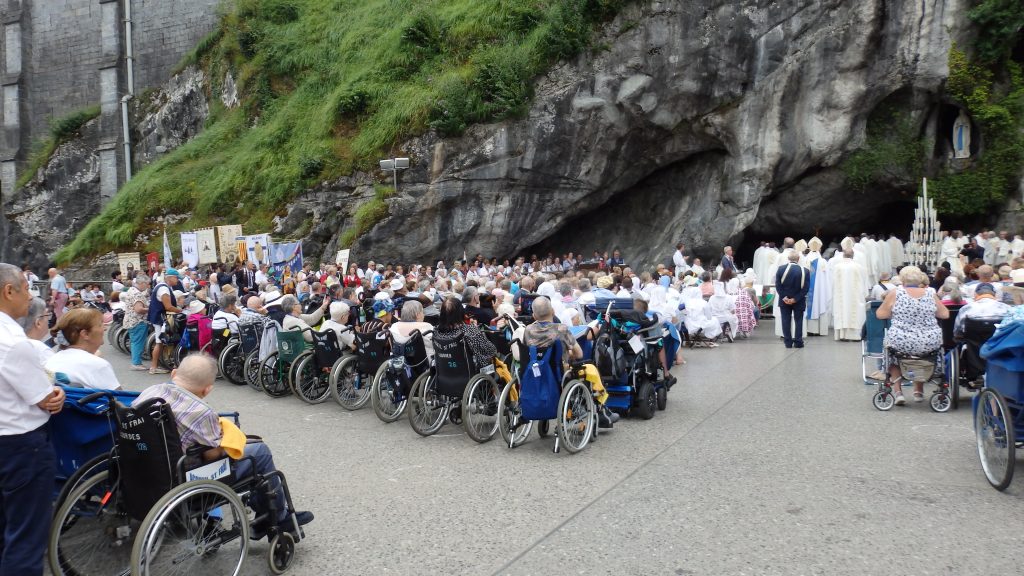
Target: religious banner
x,y
287,258
241,254
342,260
207,246
227,243
152,262
258,248
189,249
126,262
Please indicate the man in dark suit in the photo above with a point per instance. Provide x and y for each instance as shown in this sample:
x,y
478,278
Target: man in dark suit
x,y
245,279
791,284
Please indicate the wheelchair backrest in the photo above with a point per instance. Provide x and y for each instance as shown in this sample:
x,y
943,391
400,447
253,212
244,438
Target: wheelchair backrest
x,y
609,355
555,360
251,334
453,364
175,328
372,348
290,343
874,328
326,350
948,341
414,351
501,340
149,449
977,331
540,381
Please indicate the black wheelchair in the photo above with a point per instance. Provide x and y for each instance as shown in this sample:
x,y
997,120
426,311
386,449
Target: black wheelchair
x,y
389,393
152,511
310,375
455,389
964,364
352,378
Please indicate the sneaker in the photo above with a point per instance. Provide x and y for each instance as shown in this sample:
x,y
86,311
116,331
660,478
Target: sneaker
x,y
918,396
606,418
670,381
900,400
139,368
158,371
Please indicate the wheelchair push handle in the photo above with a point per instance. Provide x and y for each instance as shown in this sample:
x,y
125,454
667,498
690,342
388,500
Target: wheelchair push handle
x,y
96,396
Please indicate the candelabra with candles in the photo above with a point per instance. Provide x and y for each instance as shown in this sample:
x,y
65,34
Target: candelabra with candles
x,y
926,233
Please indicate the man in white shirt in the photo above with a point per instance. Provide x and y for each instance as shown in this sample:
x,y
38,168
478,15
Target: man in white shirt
x,y
27,460
884,285
679,260
261,275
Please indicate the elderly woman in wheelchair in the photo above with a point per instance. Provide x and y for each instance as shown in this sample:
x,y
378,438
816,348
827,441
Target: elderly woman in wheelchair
x,y
176,498
914,332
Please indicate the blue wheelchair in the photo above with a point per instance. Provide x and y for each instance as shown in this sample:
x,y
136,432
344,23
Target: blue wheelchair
x,y
999,413
626,352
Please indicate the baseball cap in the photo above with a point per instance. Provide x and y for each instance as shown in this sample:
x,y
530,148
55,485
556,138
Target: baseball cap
x,y
397,284
172,272
984,288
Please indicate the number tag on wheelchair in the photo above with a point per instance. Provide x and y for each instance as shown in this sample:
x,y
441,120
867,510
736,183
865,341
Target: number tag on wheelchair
x,y
636,343
536,370
212,471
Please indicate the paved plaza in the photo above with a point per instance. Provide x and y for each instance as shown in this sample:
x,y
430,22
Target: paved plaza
x,y
767,461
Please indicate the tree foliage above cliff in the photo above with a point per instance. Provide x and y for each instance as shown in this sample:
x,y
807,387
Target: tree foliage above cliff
x,y
328,86
1001,25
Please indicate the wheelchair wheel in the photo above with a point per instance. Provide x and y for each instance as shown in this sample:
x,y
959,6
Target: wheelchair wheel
x,y
646,402
662,395
199,527
91,532
940,402
510,417
147,348
282,551
251,371
994,429
427,409
544,428
124,341
727,331
111,335
232,364
386,396
883,400
348,387
91,468
274,378
311,384
576,419
480,408
179,354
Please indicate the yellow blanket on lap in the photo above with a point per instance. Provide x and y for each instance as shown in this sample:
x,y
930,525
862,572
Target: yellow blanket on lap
x,y
232,440
594,378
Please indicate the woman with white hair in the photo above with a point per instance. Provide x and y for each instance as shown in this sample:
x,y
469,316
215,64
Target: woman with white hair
x,y
914,331
412,321
338,323
294,319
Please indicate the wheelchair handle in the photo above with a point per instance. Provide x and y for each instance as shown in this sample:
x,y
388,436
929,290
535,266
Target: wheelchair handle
x,y
95,396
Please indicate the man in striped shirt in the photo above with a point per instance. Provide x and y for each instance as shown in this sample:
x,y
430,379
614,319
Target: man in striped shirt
x,y
198,424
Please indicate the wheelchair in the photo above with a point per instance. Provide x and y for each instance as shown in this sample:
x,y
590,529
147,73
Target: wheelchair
x,y
115,329
964,365
174,330
575,412
190,342
999,423
226,348
352,377
310,377
389,393
151,512
250,341
626,353
277,370
455,389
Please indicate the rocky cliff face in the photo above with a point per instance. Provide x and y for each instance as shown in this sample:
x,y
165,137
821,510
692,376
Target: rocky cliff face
x,y
693,121
697,121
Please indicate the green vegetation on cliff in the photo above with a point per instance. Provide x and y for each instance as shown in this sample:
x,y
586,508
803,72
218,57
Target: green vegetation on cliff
x,y
329,86
61,130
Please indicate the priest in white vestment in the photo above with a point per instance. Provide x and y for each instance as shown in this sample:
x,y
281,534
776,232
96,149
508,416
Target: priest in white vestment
x,y
848,295
819,296
768,257
867,258
950,253
1017,246
679,261
899,257
782,259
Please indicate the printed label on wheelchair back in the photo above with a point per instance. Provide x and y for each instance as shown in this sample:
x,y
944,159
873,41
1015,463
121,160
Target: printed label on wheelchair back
x,y
212,471
636,343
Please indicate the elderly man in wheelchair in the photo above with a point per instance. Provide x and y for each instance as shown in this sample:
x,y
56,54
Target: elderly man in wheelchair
x,y
182,498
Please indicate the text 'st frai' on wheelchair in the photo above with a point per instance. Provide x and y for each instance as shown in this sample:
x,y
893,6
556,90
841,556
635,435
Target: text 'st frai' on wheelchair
x,y
152,513
455,389
876,362
999,407
544,391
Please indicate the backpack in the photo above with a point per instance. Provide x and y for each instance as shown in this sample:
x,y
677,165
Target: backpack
x,y
539,386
